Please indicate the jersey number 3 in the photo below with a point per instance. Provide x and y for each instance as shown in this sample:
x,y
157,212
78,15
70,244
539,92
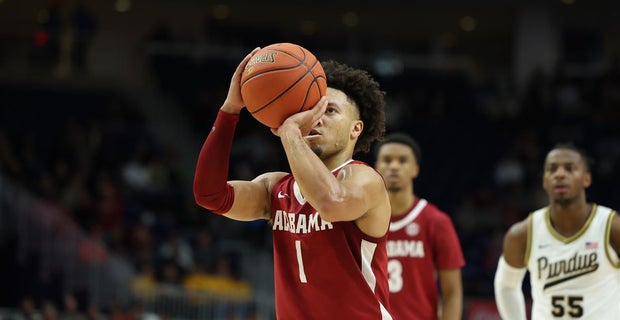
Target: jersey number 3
x,y
395,269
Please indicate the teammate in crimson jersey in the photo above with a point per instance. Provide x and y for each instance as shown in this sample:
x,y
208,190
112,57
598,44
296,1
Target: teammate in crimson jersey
x,y
330,216
422,242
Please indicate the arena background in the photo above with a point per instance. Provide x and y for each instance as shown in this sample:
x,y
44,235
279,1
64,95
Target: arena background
x,y
105,104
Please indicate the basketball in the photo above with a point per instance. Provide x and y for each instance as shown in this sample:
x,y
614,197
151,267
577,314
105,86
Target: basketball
x,y
280,80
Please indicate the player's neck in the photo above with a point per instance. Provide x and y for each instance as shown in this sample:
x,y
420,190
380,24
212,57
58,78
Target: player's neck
x,y
567,219
336,160
401,201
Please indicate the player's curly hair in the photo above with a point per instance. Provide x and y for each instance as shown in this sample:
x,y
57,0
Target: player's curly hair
x,y
361,88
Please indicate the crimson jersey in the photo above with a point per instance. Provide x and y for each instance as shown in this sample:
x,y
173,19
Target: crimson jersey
x,y
419,242
324,270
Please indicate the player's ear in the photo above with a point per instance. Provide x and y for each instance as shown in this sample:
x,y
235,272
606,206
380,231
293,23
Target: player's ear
x,y
357,128
587,180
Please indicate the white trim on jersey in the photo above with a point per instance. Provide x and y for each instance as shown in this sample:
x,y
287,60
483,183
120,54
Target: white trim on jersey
x,y
385,315
612,256
414,213
299,197
367,252
342,165
297,192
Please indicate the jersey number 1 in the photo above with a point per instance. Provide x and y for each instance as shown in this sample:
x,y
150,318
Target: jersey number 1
x,y
300,262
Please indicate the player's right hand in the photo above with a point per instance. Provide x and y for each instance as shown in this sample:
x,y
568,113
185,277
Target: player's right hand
x,y
303,121
234,101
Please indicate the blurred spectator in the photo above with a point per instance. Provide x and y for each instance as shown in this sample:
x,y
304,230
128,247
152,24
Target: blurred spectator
x,y
137,312
109,205
175,249
136,173
144,283
27,310
508,171
141,241
231,284
170,279
76,197
49,311
199,280
222,283
71,309
205,252
93,313
118,313
92,250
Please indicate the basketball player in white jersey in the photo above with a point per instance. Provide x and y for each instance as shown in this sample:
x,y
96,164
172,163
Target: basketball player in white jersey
x,y
571,249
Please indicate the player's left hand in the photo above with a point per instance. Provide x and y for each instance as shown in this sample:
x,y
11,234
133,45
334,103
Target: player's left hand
x,y
234,101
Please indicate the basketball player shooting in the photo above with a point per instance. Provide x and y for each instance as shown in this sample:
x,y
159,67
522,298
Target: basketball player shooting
x,y
330,216
570,248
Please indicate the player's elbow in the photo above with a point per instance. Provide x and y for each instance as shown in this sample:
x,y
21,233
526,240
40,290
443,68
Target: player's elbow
x,y
208,202
202,197
218,202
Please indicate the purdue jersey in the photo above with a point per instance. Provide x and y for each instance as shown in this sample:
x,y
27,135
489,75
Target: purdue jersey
x,y
324,270
576,277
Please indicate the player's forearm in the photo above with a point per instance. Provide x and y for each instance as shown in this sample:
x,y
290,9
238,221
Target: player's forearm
x,y
316,181
508,295
452,306
211,189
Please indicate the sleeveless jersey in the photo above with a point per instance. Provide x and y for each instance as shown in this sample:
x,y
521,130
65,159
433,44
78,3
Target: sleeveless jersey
x,y
324,270
420,242
575,277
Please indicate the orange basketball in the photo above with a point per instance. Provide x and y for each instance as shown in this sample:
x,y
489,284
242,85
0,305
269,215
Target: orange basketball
x,y
280,80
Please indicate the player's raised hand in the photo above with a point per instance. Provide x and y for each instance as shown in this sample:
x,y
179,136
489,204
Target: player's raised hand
x,y
303,121
234,101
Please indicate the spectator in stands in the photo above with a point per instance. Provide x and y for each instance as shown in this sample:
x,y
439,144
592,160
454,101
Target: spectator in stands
x,y
170,278
144,284
177,250
71,309
223,282
93,313
49,311
205,252
137,312
27,310
109,203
